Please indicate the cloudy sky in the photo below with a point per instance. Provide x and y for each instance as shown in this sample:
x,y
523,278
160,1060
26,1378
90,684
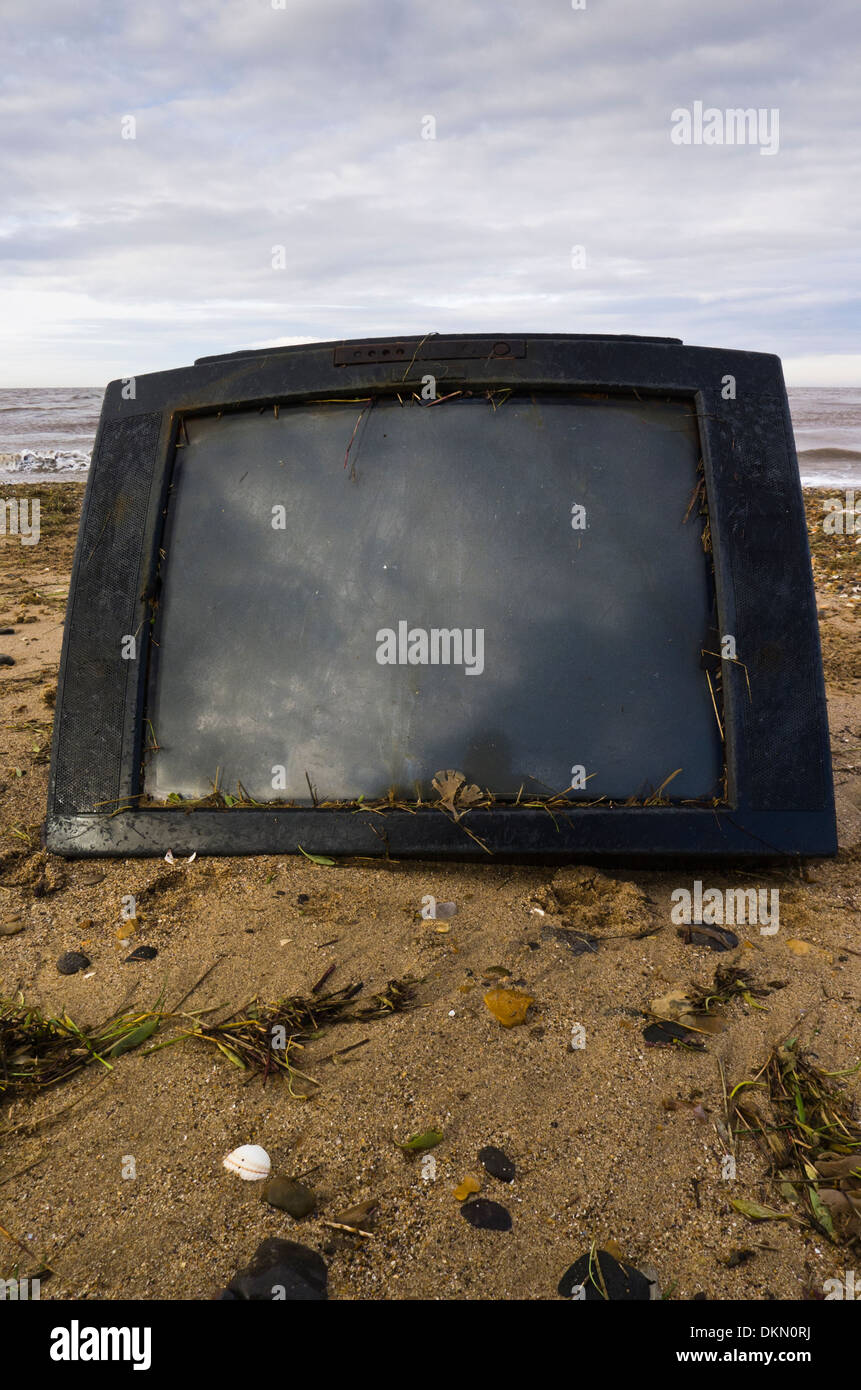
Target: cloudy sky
x,y
303,124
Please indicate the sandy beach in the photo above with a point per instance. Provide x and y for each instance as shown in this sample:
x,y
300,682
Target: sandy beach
x,y
615,1142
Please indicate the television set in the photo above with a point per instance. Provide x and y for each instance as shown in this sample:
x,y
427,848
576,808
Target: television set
x,y
539,596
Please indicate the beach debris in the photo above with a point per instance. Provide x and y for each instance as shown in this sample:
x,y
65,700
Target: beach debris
x,y
419,1143
485,1215
455,795
142,953
677,1006
7,632
467,1187
282,1270
716,938
669,1034
699,1008
37,1051
496,1163
264,1037
808,1129
597,1276
126,931
249,1162
11,926
499,972
71,962
170,858
798,947
508,1006
135,1037
755,1211
6,660
356,1220
322,859
290,1195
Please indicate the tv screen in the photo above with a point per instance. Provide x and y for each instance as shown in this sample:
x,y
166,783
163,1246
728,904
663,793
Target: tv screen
x,y
539,597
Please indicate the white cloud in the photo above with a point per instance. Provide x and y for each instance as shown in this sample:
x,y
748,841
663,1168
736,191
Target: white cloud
x,y
302,127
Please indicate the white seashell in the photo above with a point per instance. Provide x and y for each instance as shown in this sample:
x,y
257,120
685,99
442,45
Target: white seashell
x,y
249,1162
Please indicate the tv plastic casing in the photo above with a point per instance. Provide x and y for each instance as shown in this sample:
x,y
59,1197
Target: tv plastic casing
x,y
779,786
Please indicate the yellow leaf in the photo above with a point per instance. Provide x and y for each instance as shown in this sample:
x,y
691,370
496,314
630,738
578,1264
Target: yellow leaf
x,y
467,1187
508,1006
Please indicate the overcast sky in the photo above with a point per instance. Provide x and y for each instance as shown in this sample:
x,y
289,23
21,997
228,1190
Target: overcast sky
x,y
258,127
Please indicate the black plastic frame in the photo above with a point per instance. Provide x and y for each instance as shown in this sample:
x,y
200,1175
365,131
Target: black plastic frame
x,y
780,794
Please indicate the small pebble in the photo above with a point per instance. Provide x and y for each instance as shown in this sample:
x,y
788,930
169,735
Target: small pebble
x,y
291,1196
7,660
280,1270
11,926
621,1280
486,1216
71,962
496,1163
142,953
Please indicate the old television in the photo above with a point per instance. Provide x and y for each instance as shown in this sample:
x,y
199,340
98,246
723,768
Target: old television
x,y
537,596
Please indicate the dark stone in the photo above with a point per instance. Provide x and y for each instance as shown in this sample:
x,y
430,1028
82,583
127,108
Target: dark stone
x,y
71,962
7,660
496,1163
303,898
291,1196
485,1215
623,1281
667,1034
142,953
7,632
280,1270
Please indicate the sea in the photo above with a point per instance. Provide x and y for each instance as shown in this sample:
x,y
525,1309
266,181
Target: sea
x,y
47,433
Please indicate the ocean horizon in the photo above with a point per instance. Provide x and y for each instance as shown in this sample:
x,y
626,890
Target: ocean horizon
x,y
47,433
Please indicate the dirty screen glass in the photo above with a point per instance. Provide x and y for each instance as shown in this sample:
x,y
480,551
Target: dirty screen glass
x,y
439,601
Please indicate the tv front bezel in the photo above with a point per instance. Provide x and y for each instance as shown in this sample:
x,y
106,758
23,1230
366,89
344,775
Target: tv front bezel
x,y
778,769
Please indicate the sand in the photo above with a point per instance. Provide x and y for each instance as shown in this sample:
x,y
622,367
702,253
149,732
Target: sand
x,y
600,1152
